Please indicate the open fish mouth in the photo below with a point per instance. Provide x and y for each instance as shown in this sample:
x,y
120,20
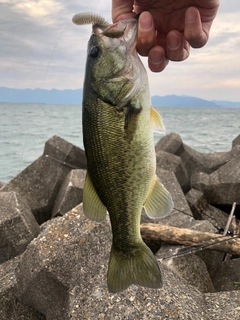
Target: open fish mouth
x,y
124,29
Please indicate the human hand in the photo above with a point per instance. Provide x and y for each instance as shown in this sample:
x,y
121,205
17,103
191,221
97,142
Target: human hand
x,y
167,28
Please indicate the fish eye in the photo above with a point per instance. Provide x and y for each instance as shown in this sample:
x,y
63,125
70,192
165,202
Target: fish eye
x,y
94,52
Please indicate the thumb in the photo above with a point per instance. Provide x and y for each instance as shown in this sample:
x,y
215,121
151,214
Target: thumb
x,y
122,9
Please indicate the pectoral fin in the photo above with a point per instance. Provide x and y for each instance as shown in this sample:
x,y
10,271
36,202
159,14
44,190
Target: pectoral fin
x,y
157,122
93,207
159,202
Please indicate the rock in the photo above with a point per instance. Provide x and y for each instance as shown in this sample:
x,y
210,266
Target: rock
x,y
40,182
192,160
215,160
71,192
171,143
176,300
185,264
212,259
64,151
222,186
203,211
227,275
191,268
222,305
236,141
63,275
17,225
2,184
170,162
61,257
10,306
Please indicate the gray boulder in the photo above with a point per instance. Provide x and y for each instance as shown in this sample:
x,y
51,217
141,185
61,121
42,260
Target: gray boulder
x,y
236,141
71,192
227,275
191,268
215,160
62,274
18,227
192,160
171,143
40,182
222,186
203,211
188,265
10,306
171,162
65,152
2,184
222,305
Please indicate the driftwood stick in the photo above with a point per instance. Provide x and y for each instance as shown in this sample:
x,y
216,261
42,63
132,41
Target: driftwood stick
x,y
229,219
173,235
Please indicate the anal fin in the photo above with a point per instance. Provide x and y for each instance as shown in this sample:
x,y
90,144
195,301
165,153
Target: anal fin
x,y
93,207
159,202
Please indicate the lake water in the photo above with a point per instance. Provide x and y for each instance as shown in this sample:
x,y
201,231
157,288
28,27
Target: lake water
x,y
24,129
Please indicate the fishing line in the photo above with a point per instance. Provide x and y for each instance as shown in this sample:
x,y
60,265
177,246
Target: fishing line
x,y
199,246
41,86
188,214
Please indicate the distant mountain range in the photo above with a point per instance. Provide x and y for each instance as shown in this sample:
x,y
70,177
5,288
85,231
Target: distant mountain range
x,y
55,96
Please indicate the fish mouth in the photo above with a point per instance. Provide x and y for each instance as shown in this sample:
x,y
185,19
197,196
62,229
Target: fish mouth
x,y
123,30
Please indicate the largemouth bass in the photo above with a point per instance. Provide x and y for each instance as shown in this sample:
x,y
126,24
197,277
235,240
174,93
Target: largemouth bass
x,y
118,124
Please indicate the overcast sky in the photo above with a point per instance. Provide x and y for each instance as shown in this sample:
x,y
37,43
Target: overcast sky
x,y
41,48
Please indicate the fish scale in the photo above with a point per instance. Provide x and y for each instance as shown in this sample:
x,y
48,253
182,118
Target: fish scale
x,y
118,124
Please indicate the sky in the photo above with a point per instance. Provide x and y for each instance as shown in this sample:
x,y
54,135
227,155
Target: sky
x,y
40,47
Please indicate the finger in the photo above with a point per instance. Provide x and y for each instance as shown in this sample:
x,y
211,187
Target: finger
x,y
195,34
177,47
157,61
146,33
122,9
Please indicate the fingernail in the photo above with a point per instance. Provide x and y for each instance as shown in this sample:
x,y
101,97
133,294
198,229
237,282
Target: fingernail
x,y
191,15
173,42
155,56
146,21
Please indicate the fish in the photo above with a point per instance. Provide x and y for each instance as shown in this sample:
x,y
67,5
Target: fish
x,y
118,124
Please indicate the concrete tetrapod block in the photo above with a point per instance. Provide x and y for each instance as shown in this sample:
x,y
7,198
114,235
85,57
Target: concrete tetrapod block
x,y
192,160
171,143
40,182
2,184
71,192
64,151
222,305
168,161
222,186
191,268
176,300
188,266
213,161
63,275
203,211
18,227
64,255
10,306
236,141
227,275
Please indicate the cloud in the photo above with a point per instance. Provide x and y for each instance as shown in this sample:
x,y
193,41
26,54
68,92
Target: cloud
x,y
40,47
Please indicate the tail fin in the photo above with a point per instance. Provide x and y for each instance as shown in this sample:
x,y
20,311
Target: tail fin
x,y
139,267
